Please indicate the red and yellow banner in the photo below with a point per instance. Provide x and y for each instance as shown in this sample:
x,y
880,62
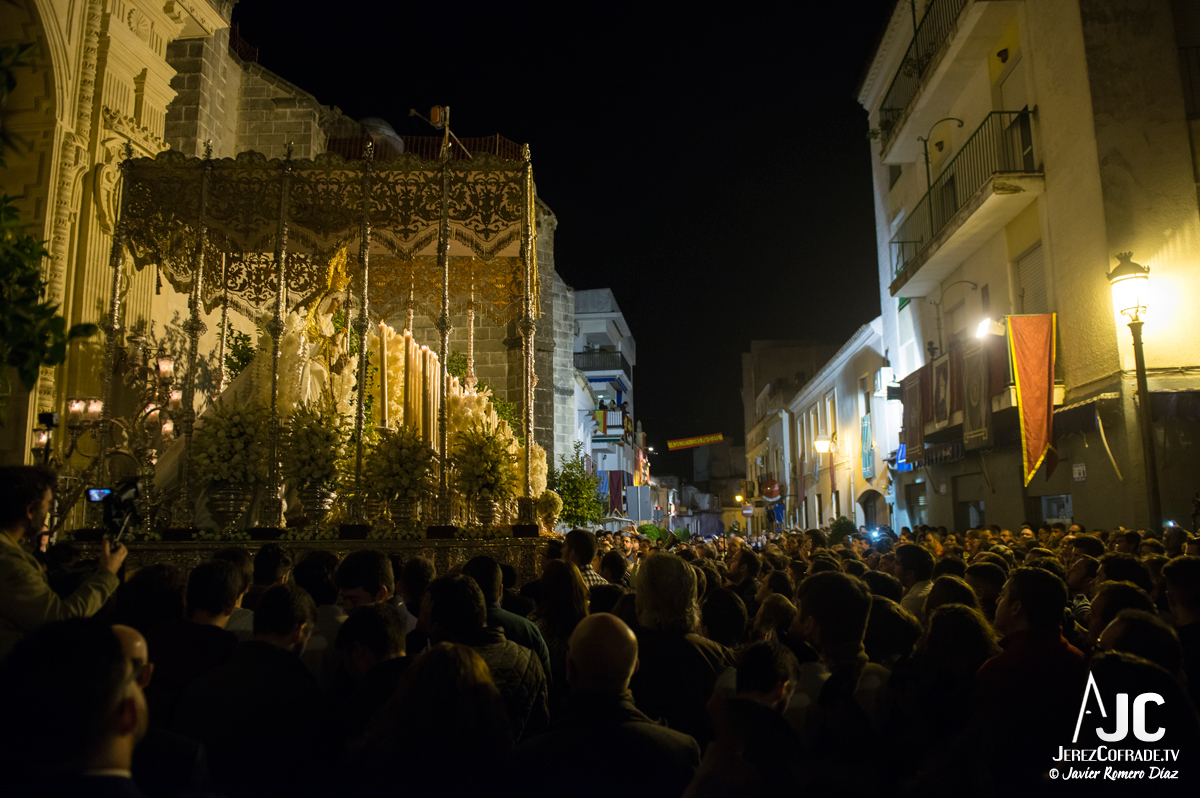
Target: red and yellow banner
x,y
1031,343
690,443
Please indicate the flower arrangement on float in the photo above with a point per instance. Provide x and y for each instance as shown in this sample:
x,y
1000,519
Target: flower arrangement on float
x,y
549,505
484,470
316,442
229,455
399,471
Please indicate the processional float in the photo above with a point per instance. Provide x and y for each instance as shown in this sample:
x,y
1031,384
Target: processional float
x,y
248,235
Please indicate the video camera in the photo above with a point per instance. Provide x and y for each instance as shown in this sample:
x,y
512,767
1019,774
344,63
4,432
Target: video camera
x,y
120,506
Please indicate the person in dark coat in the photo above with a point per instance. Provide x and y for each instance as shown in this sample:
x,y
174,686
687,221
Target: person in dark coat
x,y
184,649
372,644
165,764
599,715
678,667
261,715
487,574
1037,675
456,612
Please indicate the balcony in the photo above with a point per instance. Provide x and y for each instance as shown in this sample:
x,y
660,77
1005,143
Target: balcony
x,y
613,425
603,361
992,178
921,56
952,41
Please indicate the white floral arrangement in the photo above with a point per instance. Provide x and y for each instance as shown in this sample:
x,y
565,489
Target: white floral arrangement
x,y
549,504
400,465
233,445
484,466
539,470
316,442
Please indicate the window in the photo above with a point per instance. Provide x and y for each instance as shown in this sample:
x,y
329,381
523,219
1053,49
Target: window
x,y
831,425
820,510
813,427
1031,273
837,504
894,173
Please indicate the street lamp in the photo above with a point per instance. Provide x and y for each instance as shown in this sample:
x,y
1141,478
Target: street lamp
x,y
738,498
989,327
822,444
1130,283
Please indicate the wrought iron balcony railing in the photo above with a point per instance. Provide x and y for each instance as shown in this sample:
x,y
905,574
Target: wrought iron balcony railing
x,y
933,29
1189,67
1002,144
603,361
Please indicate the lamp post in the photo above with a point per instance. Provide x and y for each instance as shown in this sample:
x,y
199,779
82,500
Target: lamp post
x,y
1129,282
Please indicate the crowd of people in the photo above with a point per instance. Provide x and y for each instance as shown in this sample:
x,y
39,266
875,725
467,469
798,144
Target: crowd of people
x,y
926,663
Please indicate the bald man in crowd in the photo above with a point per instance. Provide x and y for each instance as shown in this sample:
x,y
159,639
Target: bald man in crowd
x,y
599,715
164,763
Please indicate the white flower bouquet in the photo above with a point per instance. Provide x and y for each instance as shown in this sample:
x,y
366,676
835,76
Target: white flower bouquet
x,y
233,445
315,443
485,468
399,466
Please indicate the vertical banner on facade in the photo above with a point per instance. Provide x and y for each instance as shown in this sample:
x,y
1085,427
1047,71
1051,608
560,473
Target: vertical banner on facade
x,y
977,399
1031,342
867,448
914,427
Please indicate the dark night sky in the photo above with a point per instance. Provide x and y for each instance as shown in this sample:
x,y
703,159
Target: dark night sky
x,y
711,168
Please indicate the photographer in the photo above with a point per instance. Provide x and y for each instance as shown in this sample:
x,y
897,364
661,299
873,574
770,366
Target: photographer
x,y
26,600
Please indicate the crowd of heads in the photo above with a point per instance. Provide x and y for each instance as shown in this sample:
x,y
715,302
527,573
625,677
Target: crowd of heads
x,y
779,660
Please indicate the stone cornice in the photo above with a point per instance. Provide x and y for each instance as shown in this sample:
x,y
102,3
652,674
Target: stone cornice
x,y
201,12
129,128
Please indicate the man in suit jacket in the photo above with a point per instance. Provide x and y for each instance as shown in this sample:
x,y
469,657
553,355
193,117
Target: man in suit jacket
x,y
26,600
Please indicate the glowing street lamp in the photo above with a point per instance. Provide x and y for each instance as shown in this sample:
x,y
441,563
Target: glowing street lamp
x,y
989,327
823,444
738,498
1130,283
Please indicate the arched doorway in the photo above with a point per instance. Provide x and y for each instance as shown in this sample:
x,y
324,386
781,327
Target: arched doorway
x,y
874,512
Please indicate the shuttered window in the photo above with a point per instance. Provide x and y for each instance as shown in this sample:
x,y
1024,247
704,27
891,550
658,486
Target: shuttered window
x,y
1031,271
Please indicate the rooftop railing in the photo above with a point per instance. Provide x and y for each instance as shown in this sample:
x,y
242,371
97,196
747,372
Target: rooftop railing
x,y
1002,144
932,30
602,361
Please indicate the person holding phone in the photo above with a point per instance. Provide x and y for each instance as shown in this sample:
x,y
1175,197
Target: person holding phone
x,y
26,600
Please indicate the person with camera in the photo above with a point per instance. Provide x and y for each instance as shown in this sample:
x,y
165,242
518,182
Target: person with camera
x,y
26,600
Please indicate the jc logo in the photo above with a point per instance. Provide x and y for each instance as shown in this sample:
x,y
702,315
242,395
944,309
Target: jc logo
x,y
1122,719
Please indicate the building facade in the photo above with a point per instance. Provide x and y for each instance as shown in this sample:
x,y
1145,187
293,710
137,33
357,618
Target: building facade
x,y
605,352
772,373
845,405
100,77
1018,148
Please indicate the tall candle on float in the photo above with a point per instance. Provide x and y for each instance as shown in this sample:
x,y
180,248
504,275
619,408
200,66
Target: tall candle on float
x,y
383,375
436,408
408,379
425,395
